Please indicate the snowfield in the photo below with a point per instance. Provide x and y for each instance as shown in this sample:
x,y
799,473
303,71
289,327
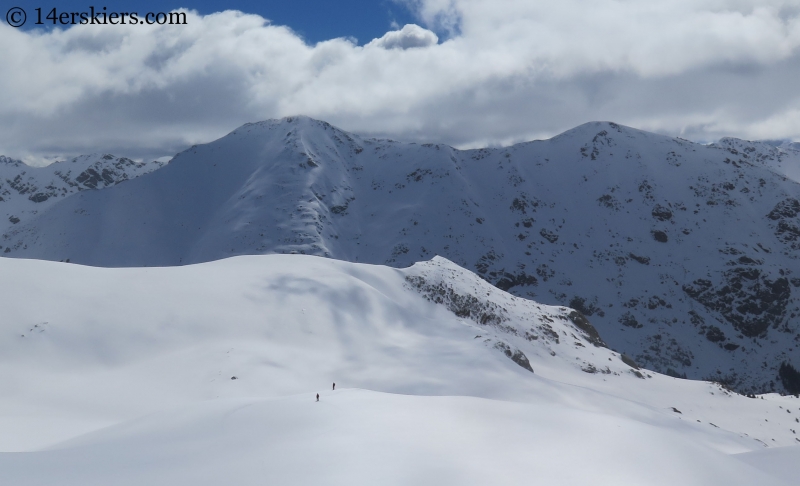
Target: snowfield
x,y
207,373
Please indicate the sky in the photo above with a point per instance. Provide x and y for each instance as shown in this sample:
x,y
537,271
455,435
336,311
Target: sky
x,y
468,73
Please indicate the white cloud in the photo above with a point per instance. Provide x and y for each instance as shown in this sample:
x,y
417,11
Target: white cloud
x,y
408,37
506,71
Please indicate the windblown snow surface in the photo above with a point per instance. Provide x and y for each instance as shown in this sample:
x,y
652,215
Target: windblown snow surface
x,y
206,374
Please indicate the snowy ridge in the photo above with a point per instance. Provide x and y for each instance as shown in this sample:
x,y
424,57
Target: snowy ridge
x,y
682,255
25,191
781,157
514,325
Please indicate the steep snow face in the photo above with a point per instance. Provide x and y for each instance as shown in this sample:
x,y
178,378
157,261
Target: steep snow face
x,y
684,256
207,373
26,191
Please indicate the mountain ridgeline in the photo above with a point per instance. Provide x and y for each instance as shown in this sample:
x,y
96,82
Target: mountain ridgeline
x,y
26,191
683,256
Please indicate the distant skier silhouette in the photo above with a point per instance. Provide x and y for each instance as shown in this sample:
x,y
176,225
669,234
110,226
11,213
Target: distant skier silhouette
x,y
317,396
334,386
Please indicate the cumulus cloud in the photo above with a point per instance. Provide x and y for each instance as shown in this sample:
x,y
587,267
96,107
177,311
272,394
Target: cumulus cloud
x,y
506,71
408,37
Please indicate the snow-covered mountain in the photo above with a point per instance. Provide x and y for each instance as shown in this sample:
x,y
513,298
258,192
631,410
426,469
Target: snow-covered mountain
x,y
26,191
683,255
782,157
207,374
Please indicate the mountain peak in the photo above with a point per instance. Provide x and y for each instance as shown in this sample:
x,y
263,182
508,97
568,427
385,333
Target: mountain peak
x,y
9,161
595,128
294,122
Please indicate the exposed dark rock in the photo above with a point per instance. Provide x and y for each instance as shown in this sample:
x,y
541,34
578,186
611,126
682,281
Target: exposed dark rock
x,y
90,178
418,175
660,236
788,208
550,236
628,361
609,201
341,209
523,204
582,323
547,273
550,333
522,360
655,302
589,368
787,229
509,280
745,260
790,378
788,233
661,213
715,334
485,261
631,304
515,355
465,306
627,319
746,298
696,318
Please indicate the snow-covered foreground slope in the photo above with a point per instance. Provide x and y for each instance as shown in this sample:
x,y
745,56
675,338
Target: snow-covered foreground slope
x,y
432,371
683,255
358,437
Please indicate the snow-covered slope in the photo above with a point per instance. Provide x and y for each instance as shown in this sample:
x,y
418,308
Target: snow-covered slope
x,y
360,438
781,157
25,191
206,374
683,255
